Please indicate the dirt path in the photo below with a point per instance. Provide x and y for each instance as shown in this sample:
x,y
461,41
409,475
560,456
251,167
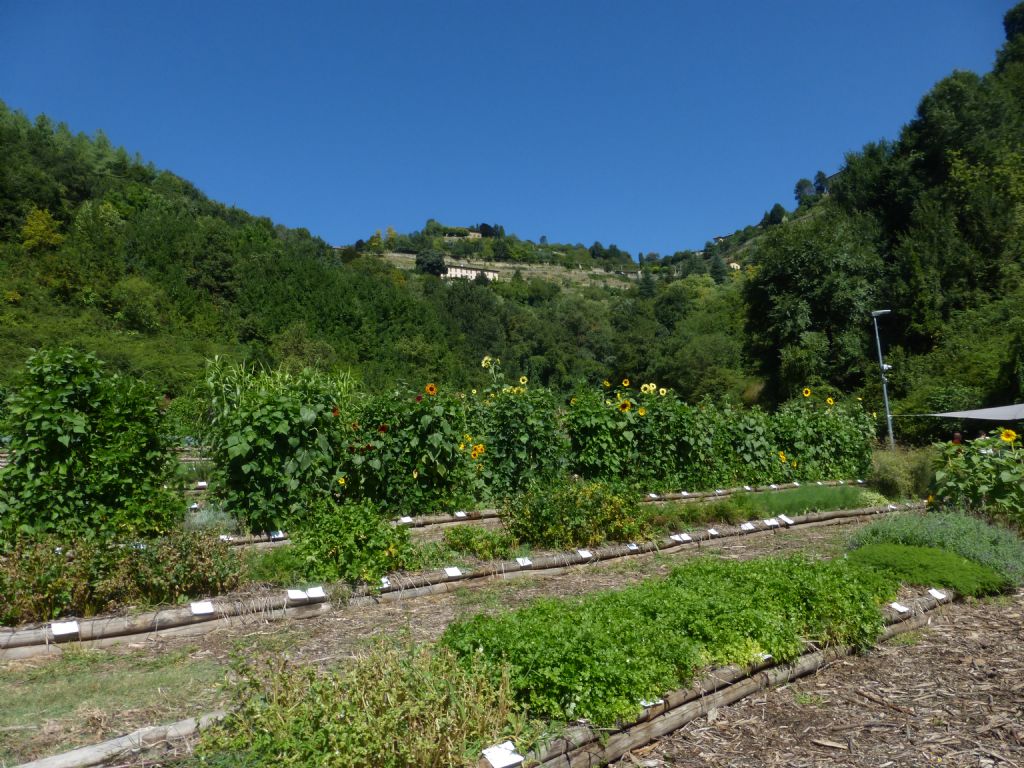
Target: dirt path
x,y
951,694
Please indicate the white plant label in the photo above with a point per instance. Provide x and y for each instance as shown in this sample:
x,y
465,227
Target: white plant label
x,y
860,482
646,703
201,485
316,593
224,537
766,657
276,535
652,496
64,628
503,755
385,582
713,532
297,594
786,519
633,547
747,527
796,484
586,554
405,519
820,483
683,493
892,506
899,607
719,491
937,594
460,513
452,572
747,488
771,522
773,486
524,562
202,608
682,538
194,506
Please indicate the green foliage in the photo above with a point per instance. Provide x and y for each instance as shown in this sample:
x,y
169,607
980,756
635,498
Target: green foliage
x,y
902,473
273,436
967,536
984,476
41,580
349,541
410,451
396,706
481,543
930,567
574,514
88,454
599,655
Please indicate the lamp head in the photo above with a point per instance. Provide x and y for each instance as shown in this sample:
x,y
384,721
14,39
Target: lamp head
x,y
880,312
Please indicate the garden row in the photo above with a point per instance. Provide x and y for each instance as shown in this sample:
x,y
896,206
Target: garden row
x,y
614,658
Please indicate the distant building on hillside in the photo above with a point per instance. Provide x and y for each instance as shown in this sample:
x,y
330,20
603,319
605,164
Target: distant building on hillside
x,y
469,273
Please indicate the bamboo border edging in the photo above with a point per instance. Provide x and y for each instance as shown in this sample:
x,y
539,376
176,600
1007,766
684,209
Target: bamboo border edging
x,y
139,740
101,632
578,745
720,688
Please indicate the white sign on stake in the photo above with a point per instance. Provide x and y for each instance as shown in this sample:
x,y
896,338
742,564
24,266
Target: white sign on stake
x,y
452,572
385,582
503,755
712,532
773,486
225,537
524,562
771,522
586,554
652,495
633,547
786,519
201,485
201,608
64,628
748,527
899,607
820,483
719,491
682,538
193,506
683,493
796,483
316,593
747,488
276,535
860,482
766,657
937,594
405,519
646,703
297,595
460,513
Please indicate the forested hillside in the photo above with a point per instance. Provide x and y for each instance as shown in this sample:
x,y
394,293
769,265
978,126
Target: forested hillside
x,y
101,250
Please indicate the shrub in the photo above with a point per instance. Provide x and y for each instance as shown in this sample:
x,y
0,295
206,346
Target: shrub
x,y
599,655
967,536
396,706
480,542
902,473
40,581
931,567
88,456
349,541
984,476
575,514
272,438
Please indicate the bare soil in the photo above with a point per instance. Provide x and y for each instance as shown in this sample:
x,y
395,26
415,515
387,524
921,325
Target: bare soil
x,y
951,694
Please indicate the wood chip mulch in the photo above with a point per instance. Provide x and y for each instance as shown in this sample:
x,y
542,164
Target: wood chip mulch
x,y
951,694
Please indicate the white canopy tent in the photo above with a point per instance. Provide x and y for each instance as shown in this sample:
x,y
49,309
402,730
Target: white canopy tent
x,y
1003,413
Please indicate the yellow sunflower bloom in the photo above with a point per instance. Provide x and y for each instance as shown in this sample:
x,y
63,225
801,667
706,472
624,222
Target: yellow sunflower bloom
x,y
523,379
486,362
625,405
830,401
430,389
341,481
572,401
782,456
641,411
625,382
1007,435
472,391
807,392
662,391
606,384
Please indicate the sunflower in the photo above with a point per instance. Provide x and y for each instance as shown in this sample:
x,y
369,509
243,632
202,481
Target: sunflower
x,y
572,401
830,401
479,448
643,388
1007,435
662,391
782,456
430,389
523,380
641,411
486,362
415,474
807,392
625,405
606,384
472,392
341,481
625,382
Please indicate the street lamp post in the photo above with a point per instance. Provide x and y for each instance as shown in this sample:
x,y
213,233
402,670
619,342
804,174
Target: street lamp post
x,y
882,367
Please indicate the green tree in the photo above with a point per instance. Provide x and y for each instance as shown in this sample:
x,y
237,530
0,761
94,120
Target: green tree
x,y
39,233
431,262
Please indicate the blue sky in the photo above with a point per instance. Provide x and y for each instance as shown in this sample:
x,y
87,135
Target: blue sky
x,y
651,125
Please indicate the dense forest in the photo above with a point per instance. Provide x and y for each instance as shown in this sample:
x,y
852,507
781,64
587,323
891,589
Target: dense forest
x,y
102,251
